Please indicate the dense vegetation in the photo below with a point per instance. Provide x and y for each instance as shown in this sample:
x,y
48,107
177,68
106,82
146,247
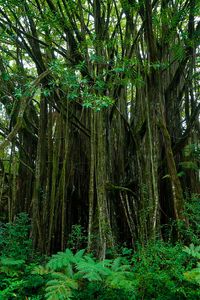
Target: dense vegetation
x,y
157,270
99,147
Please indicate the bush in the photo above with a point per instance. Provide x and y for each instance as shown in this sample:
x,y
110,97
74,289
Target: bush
x,y
156,271
77,238
190,230
16,265
194,274
14,238
159,269
81,276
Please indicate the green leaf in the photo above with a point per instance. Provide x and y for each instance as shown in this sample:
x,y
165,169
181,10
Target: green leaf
x,y
60,287
191,165
61,260
5,76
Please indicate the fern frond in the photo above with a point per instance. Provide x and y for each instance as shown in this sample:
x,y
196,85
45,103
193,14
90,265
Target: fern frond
x,y
124,268
11,266
121,276
79,255
118,265
193,251
193,275
40,270
60,287
92,270
119,282
71,283
10,261
10,291
89,259
61,260
57,291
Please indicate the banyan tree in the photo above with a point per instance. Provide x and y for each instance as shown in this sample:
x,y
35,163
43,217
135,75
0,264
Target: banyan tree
x,y
99,117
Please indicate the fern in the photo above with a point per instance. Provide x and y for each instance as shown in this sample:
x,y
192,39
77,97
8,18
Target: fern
x,y
61,269
79,255
61,260
193,275
11,266
193,251
121,276
7,261
14,238
60,287
68,271
121,281
40,270
118,265
10,291
92,270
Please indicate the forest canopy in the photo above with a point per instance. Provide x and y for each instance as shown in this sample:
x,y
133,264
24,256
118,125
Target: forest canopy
x,y
99,119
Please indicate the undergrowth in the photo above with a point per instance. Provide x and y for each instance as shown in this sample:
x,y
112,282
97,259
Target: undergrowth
x,y
17,261
158,270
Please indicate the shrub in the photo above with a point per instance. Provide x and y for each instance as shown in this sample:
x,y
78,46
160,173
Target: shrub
x,y
194,274
14,238
77,238
81,276
16,266
190,230
159,269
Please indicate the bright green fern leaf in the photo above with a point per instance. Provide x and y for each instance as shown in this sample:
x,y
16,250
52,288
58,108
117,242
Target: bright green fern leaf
x,y
60,287
61,260
92,270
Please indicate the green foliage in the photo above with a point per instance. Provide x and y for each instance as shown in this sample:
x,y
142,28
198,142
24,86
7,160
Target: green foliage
x,y
192,150
71,274
16,254
193,251
62,260
11,266
77,88
14,238
190,230
194,274
21,285
96,102
189,165
60,287
192,158
93,270
159,269
156,271
77,238
61,269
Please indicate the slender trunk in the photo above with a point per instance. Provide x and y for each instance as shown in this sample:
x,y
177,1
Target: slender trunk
x,y
105,231
92,180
